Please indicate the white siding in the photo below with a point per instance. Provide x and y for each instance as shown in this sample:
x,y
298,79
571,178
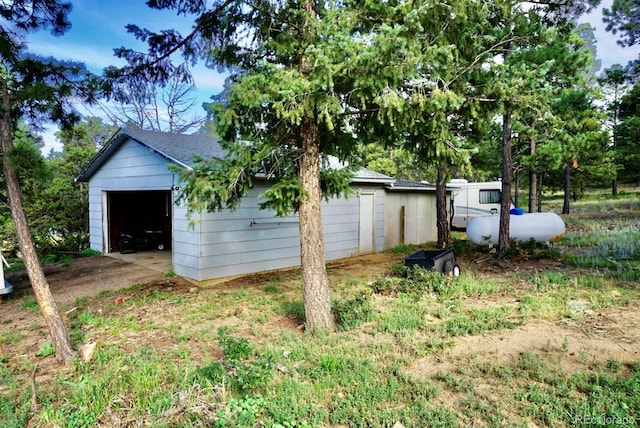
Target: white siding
x,y
229,243
419,221
135,168
253,240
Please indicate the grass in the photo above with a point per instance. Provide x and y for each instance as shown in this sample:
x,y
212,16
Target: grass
x,y
234,356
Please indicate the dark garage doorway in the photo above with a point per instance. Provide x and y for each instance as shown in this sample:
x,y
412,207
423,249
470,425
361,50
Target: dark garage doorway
x,y
138,212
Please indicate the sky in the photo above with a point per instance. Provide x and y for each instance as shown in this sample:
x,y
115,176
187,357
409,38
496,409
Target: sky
x,y
609,52
98,26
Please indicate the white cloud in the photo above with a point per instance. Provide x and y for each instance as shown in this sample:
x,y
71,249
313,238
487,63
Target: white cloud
x,y
207,79
95,59
50,140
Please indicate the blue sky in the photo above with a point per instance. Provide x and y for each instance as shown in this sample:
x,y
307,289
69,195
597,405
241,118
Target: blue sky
x,y
609,52
98,26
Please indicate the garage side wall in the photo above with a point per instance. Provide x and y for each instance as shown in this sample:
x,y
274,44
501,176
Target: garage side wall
x,y
253,240
419,218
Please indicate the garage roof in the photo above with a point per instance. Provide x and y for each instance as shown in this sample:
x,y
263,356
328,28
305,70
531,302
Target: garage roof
x,y
181,148
176,148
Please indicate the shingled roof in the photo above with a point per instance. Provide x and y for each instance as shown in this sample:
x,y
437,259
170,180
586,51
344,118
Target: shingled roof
x,y
408,185
175,148
180,149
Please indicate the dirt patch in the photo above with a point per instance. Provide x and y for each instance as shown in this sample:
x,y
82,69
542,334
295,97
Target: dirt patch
x,y
593,340
86,277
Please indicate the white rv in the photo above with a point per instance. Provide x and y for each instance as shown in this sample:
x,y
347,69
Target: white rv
x,y
473,199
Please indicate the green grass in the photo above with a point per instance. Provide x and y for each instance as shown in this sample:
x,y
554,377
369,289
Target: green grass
x,y
234,356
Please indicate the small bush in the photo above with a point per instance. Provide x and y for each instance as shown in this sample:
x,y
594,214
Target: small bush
x,y
293,309
88,253
463,247
46,350
214,373
273,289
234,348
29,303
238,370
353,313
417,280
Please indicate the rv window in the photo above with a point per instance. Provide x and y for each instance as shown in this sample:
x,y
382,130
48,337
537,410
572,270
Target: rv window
x,y
490,196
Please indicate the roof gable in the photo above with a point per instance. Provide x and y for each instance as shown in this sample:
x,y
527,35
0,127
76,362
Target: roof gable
x,y
180,149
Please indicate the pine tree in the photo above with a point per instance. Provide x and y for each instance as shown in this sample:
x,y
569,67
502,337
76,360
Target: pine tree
x,y
35,90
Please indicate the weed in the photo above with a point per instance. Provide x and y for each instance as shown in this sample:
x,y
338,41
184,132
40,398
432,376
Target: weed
x,y
478,321
293,308
531,249
29,303
17,412
234,348
238,371
88,253
170,273
402,249
354,312
11,336
65,260
463,247
46,350
404,315
273,289
416,280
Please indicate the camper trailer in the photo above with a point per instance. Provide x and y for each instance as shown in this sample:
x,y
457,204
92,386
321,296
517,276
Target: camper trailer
x,y
473,199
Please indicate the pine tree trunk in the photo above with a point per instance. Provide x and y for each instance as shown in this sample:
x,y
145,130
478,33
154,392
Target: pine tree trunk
x,y
48,307
442,219
315,282
533,180
516,190
614,182
567,188
505,215
539,190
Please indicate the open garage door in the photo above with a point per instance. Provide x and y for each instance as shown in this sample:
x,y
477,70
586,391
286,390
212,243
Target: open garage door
x,y
145,215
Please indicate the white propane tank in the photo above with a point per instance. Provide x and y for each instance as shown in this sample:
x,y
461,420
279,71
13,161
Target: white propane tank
x,y
541,227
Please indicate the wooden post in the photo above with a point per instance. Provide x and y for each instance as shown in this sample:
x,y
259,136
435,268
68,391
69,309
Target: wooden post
x,y
402,215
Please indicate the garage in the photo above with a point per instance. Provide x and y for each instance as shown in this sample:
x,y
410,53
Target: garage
x,y
139,220
134,181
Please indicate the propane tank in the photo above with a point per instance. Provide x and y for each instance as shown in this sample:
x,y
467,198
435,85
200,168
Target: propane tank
x,y
541,227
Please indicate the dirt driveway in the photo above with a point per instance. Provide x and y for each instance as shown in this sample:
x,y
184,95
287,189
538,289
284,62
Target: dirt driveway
x,y
87,277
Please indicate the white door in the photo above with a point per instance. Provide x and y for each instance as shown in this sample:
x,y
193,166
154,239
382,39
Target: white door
x,y
366,229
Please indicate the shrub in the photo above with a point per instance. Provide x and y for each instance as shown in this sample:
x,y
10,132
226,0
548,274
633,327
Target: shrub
x,y
417,280
238,370
353,313
531,250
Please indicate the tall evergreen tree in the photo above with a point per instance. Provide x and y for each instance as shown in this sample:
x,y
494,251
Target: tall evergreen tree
x,y
628,136
614,84
316,79
528,25
35,89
